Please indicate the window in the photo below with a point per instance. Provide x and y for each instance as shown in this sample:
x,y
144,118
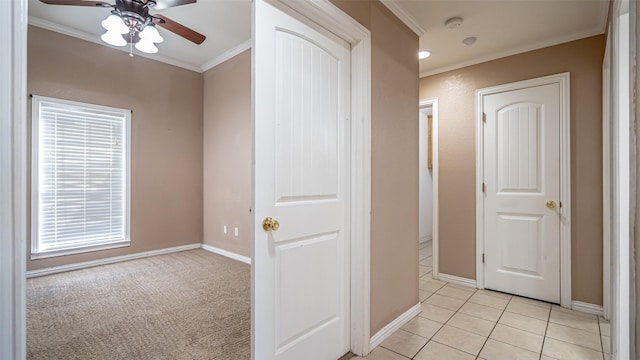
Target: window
x,y
80,177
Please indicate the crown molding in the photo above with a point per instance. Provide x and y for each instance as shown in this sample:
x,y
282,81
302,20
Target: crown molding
x,y
226,56
48,25
597,30
397,10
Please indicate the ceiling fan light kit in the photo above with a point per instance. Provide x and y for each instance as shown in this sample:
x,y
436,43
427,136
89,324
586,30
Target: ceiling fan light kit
x,y
114,23
131,23
113,38
150,33
146,47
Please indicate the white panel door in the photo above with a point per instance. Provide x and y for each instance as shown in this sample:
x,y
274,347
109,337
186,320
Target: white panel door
x,y
300,270
522,180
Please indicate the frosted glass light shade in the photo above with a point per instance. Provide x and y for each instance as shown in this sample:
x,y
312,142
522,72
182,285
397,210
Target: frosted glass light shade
x,y
113,38
150,33
114,23
146,46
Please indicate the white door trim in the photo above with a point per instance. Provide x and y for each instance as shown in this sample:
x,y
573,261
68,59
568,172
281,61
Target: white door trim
x,y
565,177
330,17
622,180
13,178
606,179
433,102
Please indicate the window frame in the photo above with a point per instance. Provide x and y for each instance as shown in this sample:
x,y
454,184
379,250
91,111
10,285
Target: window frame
x,y
38,253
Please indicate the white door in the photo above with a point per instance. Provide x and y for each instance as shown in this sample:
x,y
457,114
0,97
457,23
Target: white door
x,y
522,192
301,307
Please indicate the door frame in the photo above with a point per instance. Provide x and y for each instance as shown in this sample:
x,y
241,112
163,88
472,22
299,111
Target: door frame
x,y
323,13
433,103
622,178
606,178
563,80
13,178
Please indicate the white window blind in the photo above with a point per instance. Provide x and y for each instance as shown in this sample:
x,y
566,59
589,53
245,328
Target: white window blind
x,y
80,197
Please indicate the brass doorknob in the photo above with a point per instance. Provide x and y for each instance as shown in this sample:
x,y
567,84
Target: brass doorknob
x,y
269,224
551,204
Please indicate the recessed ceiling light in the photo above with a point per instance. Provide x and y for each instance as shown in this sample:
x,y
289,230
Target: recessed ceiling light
x,y
470,40
423,54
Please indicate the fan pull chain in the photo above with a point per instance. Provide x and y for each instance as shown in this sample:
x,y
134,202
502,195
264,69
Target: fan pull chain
x,y
131,44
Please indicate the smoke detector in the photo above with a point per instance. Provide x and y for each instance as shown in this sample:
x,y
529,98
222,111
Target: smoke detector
x,y
453,23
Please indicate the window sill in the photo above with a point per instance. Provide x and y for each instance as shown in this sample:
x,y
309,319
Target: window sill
x,y
79,250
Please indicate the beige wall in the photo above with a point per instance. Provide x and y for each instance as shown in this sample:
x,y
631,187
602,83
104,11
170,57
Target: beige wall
x,y
394,161
166,133
227,154
456,93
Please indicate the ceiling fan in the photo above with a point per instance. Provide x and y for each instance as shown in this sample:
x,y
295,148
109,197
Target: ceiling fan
x,y
131,23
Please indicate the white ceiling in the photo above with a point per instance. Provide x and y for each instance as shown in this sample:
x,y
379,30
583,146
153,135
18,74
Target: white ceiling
x,y
225,23
503,28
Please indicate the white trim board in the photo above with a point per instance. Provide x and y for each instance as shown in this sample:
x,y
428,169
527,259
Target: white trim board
x,y
226,56
400,13
327,15
606,179
69,31
424,239
563,80
111,260
433,102
65,30
228,254
13,178
597,30
587,308
457,280
394,325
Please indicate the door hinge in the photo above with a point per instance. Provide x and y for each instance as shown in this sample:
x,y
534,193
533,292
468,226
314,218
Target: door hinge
x,y
483,258
484,117
484,188
560,204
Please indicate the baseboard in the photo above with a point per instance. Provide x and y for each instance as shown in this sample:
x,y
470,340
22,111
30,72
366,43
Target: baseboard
x,y
393,326
587,308
424,239
110,260
457,280
229,254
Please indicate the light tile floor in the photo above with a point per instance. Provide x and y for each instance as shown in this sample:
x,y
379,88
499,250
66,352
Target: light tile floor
x,y
459,323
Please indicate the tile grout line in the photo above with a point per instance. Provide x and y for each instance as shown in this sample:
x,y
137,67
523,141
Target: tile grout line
x,y
546,328
425,344
422,302
395,352
447,322
510,300
578,329
600,336
494,327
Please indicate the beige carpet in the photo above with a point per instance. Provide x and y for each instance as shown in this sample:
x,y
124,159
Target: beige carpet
x,y
186,305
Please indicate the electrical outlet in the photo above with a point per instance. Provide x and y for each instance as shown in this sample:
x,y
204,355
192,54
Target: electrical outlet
x,y
235,232
224,229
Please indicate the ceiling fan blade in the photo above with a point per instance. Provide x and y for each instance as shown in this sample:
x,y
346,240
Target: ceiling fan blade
x,y
178,29
163,4
77,3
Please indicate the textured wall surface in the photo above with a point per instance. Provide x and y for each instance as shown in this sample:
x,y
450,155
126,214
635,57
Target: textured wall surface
x,y
457,213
